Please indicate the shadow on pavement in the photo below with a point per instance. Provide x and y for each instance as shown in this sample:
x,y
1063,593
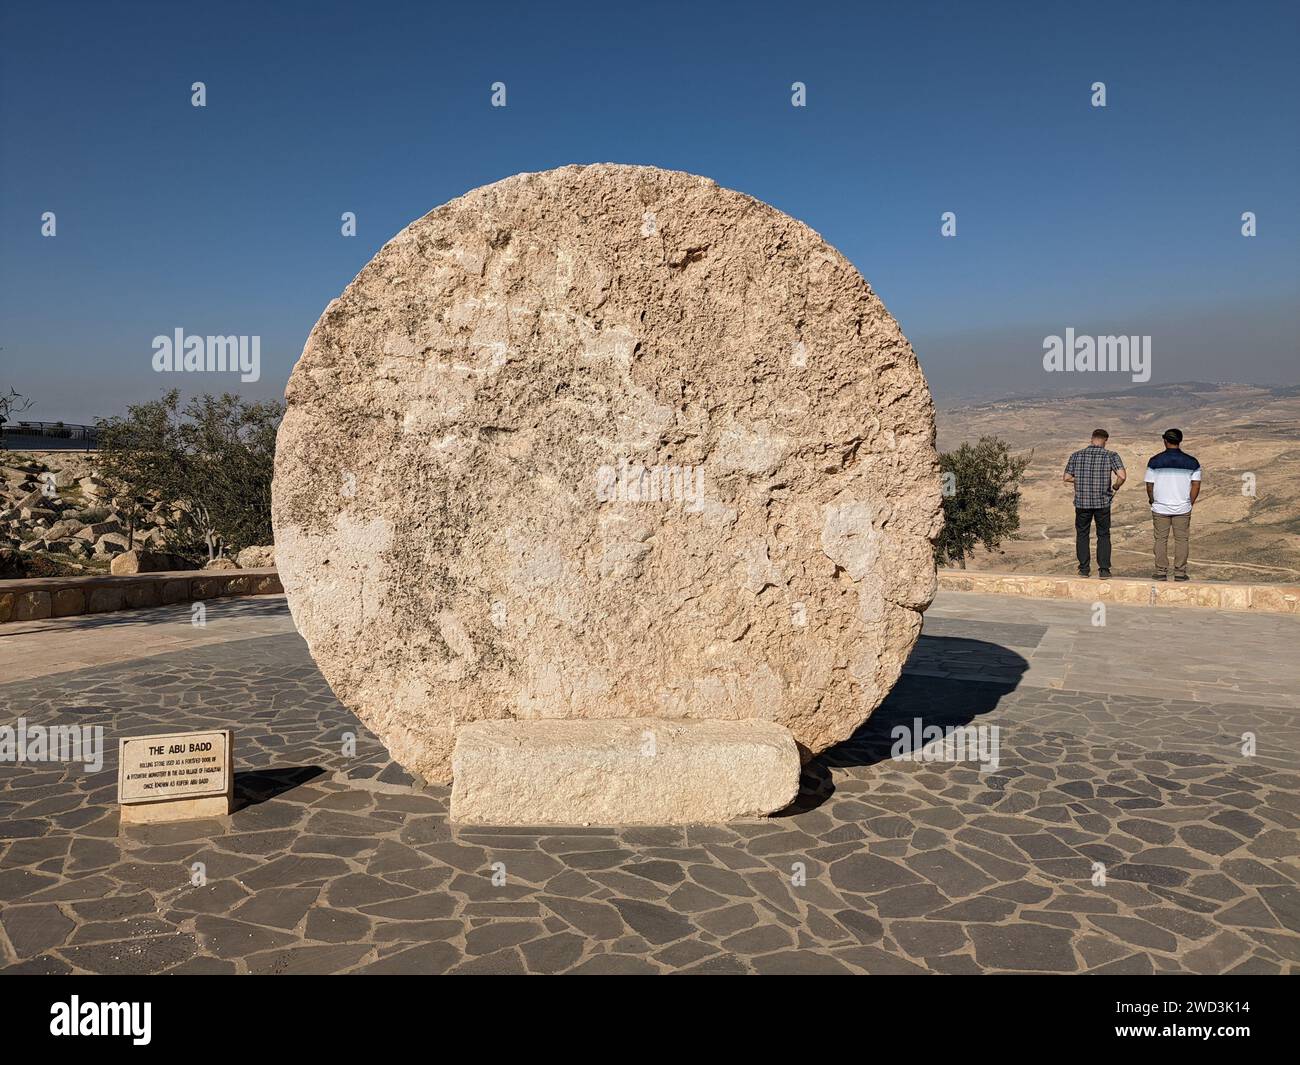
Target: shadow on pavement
x,y
985,674
258,785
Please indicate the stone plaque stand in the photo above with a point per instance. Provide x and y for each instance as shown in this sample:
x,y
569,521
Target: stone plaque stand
x,y
175,777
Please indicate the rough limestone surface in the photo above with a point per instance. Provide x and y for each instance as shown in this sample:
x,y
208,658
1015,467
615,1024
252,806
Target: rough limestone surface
x,y
646,771
606,442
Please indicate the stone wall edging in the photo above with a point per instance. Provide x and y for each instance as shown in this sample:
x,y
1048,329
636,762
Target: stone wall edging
x,y
37,599
58,597
1264,598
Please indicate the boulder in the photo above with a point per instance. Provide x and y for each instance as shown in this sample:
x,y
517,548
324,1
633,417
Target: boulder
x,y
221,563
606,442
141,560
100,528
256,557
63,528
111,544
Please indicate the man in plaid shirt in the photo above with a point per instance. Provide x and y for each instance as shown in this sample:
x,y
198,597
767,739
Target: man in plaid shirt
x,y
1090,472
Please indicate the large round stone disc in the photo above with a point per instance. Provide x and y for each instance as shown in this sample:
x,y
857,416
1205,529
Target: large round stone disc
x,y
604,442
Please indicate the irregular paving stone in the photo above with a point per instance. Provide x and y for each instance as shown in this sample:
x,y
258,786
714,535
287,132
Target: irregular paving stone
x,y
1284,902
1133,965
33,929
916,900
1136,931
1180,922
656,923
799,963
983,909
951,874
490,938
132,928
594,919
553,954
307,961
134,957
877,962
719,965
869,873
1250,913
359,889
277,907
203,967
760,940
235,939
863,926
1217,955
683,953
336,926
732,919
1031,948
691,898
1275,843
614,965
429,959
1147,874
1210,840
1241,823
922,939
291,870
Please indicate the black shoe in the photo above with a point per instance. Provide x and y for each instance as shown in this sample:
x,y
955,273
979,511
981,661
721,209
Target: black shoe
x,y
1084,573
1159,577
1180,576
1104,575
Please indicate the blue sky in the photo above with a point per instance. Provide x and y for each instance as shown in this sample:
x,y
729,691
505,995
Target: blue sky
x,y
225,219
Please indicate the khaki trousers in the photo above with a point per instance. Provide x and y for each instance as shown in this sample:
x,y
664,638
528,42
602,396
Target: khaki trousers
x,y
1181,525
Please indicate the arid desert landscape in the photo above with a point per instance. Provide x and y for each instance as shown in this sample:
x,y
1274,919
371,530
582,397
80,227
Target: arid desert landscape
x,y
1234,430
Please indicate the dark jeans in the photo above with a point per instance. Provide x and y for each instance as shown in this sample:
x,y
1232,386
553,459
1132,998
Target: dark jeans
x,y
1083,519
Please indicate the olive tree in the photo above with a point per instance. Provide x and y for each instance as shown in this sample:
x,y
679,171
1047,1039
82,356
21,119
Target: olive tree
x,y
981,498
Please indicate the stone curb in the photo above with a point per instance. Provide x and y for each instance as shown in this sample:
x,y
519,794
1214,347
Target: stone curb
x,y
60,597
1263,598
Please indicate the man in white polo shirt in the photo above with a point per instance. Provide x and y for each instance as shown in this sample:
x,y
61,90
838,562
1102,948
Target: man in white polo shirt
x,y
1173,483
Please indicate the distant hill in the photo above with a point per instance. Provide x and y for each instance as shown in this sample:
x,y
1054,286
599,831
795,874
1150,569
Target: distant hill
x,y
1233,429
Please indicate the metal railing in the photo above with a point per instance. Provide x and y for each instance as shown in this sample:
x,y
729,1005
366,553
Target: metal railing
x,y
48,436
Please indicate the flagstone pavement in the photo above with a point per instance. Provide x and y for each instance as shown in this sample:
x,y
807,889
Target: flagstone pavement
x,y
1128,827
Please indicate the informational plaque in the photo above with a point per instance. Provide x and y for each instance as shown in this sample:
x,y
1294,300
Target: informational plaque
x,y
175,777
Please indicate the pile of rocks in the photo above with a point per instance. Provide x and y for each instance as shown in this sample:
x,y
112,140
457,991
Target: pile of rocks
x,y
59,507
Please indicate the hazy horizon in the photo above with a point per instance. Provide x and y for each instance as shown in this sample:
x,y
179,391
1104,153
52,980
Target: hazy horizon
x,y
226,219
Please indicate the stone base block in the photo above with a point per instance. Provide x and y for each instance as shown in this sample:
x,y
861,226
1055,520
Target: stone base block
x,y
631,771
154,813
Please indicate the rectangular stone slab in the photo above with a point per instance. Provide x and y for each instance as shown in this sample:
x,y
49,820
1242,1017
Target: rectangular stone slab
x,y
175,776
630,771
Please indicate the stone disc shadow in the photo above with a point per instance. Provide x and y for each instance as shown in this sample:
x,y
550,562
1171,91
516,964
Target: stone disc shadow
x,y
256,786
986,672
